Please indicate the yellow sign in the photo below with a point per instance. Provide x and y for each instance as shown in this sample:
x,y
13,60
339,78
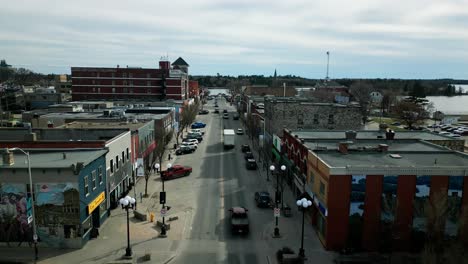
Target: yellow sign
x,y
96,202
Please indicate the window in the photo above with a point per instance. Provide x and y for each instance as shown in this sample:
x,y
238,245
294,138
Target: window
x,y
97,75
94,89
148,83
322,188
124,82
300,119
125,90
316,119
128,154
112,166
124,75
130,75
123,157
113,82
148,91
86,186
330,119
117,162
99,90
93,179
100,174
148,75
94,81
131,83
113,75
113,90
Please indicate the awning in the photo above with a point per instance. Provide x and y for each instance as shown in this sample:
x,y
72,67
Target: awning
x,y
276,154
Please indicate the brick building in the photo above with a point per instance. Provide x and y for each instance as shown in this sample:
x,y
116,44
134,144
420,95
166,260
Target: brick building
x,y
194,90
165,82
371,189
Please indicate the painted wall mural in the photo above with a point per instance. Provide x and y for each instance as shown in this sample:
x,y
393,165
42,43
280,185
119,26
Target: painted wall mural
x,y
420,203
454,201
14,203
389,199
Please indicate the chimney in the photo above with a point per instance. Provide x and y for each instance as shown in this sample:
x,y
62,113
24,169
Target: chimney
x,y
390,135
343,147
383,148
351,135
8,158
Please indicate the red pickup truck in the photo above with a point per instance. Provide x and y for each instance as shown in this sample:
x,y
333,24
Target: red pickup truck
x,y
176,171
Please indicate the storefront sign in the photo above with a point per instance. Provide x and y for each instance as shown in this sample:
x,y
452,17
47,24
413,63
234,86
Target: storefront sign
x,y
277,142
140,168
96,202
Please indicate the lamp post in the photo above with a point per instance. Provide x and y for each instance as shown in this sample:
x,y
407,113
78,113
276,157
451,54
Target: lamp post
x,y
277,197
283,170
303,204
163,226
127,203
31,189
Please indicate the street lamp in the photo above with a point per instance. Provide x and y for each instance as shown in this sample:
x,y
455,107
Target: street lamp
x,y
272,168
31,188
162,197
277,197
156,167
303,204
283,170
127,203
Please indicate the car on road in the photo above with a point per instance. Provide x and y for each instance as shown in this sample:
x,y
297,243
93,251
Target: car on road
x,y
198,125
197,134
190,140
245,148
263,199
239,220
192,145
251,164
240,131
235,116
203,112
248,155
184,150
224,111
226,116
396,124
193,136
176,171
216,111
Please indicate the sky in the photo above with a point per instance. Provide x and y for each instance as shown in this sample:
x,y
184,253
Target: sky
x,y
409,39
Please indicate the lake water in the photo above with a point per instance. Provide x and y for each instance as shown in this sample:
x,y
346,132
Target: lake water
x,y
452,104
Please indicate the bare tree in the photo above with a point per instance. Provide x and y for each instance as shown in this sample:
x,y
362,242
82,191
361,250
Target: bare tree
x,y
162,138
361,92
411,112
187,117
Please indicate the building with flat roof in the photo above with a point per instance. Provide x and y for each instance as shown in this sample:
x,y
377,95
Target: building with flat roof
x,y
372,190
69,189
131,83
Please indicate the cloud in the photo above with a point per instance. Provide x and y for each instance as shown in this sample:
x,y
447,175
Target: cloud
x,y
242,36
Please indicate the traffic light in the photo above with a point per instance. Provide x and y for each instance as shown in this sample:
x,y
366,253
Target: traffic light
x,y
162,197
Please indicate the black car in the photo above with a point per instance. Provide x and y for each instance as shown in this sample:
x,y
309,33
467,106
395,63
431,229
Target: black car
x,y
203,112
251,164
224,111
248,155
263,199
184,150
216,111
245,148
235,116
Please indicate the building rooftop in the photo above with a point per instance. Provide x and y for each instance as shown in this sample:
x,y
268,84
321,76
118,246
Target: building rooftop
x,y
53,159
180,62
83,124
367,134
373,144
62,134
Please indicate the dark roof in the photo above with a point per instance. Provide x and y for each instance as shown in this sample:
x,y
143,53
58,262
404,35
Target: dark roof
x,y
180,62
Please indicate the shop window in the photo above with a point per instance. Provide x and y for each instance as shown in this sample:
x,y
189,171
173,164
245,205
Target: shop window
x,y
86,225
322,188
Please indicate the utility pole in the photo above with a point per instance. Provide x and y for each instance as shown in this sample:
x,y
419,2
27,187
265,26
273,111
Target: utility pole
x,y
328,63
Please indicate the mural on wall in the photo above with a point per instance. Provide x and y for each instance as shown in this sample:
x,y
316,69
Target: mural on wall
x,y
454,201
358,195
420,203
356,209
14,203
57,212
389,199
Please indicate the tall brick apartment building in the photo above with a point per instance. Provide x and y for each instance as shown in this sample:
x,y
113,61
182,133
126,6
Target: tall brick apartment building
x,y
165,82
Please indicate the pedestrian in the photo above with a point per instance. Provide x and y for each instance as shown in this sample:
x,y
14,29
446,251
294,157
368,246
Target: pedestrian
x,y
169,156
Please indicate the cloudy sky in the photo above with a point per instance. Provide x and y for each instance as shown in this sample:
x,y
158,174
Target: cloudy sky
x,y
366,38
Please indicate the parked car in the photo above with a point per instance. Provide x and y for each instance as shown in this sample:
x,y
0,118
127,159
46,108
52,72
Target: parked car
x,y
176,171
203,112
226,116
197,134
216,111
198,125
248,155
190,140
251,164
455,135
197,137
184,150
240,131
239,220
245,148
198,131
263,199
192,145
396,124
225,111
235,116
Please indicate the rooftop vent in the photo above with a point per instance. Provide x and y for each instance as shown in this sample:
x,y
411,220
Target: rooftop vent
x,y
395,156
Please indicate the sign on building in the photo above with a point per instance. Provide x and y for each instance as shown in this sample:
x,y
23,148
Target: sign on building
x,y
277,143
140,168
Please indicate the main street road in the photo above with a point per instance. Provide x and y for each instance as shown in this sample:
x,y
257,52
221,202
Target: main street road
x,y
219,182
